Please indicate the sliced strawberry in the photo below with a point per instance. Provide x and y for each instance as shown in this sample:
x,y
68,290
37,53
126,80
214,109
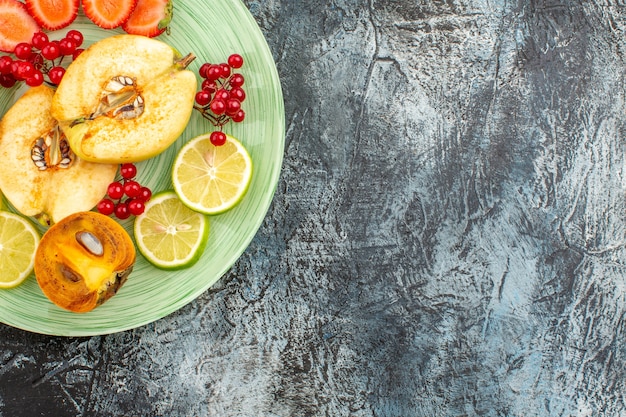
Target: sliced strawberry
x,y
53,14
108,14
16,25
150,18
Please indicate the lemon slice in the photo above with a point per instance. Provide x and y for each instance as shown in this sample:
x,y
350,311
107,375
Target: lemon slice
x,y
211,179
18,244
169,234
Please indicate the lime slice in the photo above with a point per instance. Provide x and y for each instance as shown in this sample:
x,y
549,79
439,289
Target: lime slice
x,y
211,179
18,244
169,234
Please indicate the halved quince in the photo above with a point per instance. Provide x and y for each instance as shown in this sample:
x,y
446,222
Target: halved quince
x,y
83,260
125,98
39,173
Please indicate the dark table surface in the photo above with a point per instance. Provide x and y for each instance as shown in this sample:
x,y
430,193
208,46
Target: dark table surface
x,y
447,237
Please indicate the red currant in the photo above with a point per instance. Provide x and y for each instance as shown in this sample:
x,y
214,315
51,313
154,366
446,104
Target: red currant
x,y
136,207
217,138
232,106
115,190
51,50
222,94
132,188
121,211
238,93
106,207
7,80
23,50
213,72
203,69
128,170
76,36
145,194
238,117
225,70
36,79
236,80
235,61
218,106
68,46
56,74
23,70
39,40
5,64
77,52
203,97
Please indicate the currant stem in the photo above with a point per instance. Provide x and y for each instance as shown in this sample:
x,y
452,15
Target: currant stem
x,y
217,121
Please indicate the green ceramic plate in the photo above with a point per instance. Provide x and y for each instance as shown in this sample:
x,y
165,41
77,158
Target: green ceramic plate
x,y
212,30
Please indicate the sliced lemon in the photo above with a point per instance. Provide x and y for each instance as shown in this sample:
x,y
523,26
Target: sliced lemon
x,y
212,179
18,244
169,234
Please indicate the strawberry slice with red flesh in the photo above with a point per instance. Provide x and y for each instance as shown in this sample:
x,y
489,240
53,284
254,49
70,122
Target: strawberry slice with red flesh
x,y
108,14
53,14
16,25
150,18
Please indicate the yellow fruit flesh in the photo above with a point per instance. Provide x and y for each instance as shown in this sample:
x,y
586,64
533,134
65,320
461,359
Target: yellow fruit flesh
x,y
72,275
169,234
167,89
212,179
94,274
18,242
130,55
109,140
56,192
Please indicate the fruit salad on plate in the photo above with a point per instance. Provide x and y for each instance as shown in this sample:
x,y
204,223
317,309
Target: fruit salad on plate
x,y
87,116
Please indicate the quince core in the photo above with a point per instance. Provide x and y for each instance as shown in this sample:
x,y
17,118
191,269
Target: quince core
x,y
126,98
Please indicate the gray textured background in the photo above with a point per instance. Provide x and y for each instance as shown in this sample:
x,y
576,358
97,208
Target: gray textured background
x,y
447,238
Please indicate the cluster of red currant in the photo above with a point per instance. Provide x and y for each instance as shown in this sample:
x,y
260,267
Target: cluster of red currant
x,y
220,98
33,61
126,197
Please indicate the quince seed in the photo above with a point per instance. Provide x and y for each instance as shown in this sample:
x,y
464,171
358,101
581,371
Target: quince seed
x,y
120,99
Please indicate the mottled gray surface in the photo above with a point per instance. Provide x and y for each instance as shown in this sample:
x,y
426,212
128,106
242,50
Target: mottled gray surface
x,y
447,238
